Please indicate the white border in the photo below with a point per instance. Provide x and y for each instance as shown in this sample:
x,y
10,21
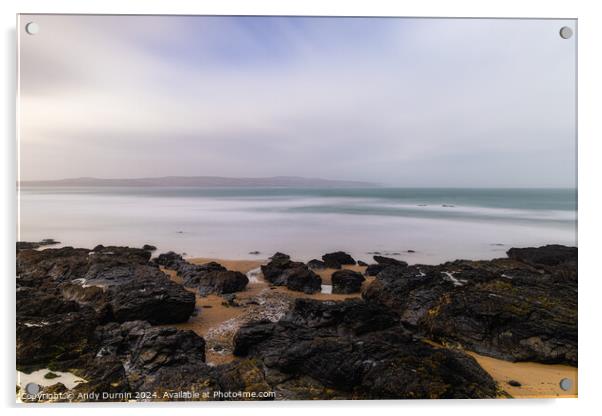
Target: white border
x,y
590,209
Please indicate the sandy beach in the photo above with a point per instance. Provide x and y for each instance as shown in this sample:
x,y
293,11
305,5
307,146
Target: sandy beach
x,y
536,380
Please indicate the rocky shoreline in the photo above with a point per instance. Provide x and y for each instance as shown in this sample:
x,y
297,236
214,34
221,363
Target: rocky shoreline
x,y
109,314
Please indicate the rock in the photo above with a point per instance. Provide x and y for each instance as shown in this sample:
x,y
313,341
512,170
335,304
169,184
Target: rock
x,y
195,275
252,334
362,263
119,283
158,302
24,245
254,253
387,261
169,260
149,247
61,331
551,255
316,264
157,359
514,383
281,271
301,279
222,282
504,308
278,263
243,376
408,291
337,259
410,251
374,269
347,281
346,317
208,278
129,254
319,341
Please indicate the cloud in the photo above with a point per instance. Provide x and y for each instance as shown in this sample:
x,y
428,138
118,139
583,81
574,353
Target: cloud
x,y
413,102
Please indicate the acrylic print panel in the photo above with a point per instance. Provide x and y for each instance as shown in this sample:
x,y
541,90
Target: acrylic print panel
x,y
276,208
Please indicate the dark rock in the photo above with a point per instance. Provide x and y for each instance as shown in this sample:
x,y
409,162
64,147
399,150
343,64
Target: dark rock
x,y
158,302
129,254
278,263
316,264
347,281
117,282
374,269
157,359
315,340
218,282
410,251
361,263
504,308
26,245
251,335
61,331
244,375
387,261
169,260
349,317
337,259
514,383
407,291
149,247
208,278
281,271
511,320
301,279
134,357
551,255
105,374
255,253
195,275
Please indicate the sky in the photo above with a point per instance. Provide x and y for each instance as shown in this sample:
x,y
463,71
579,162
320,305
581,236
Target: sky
x,y
402,102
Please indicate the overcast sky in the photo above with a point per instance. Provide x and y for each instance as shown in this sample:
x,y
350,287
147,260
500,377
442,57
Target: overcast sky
x,y
408,102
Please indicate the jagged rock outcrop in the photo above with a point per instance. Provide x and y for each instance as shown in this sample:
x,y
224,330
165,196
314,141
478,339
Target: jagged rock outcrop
x,y
336,345
119,283
513,309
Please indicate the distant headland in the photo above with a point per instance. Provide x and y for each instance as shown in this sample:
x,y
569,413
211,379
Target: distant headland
x,y
204,181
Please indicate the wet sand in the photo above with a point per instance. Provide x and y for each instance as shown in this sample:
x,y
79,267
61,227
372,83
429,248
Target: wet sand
x,y
537,380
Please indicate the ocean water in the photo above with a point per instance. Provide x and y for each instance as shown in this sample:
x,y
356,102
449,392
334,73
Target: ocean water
x,y
437,224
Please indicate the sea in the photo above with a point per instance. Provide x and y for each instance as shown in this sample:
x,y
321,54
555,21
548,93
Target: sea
x,y
425,225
